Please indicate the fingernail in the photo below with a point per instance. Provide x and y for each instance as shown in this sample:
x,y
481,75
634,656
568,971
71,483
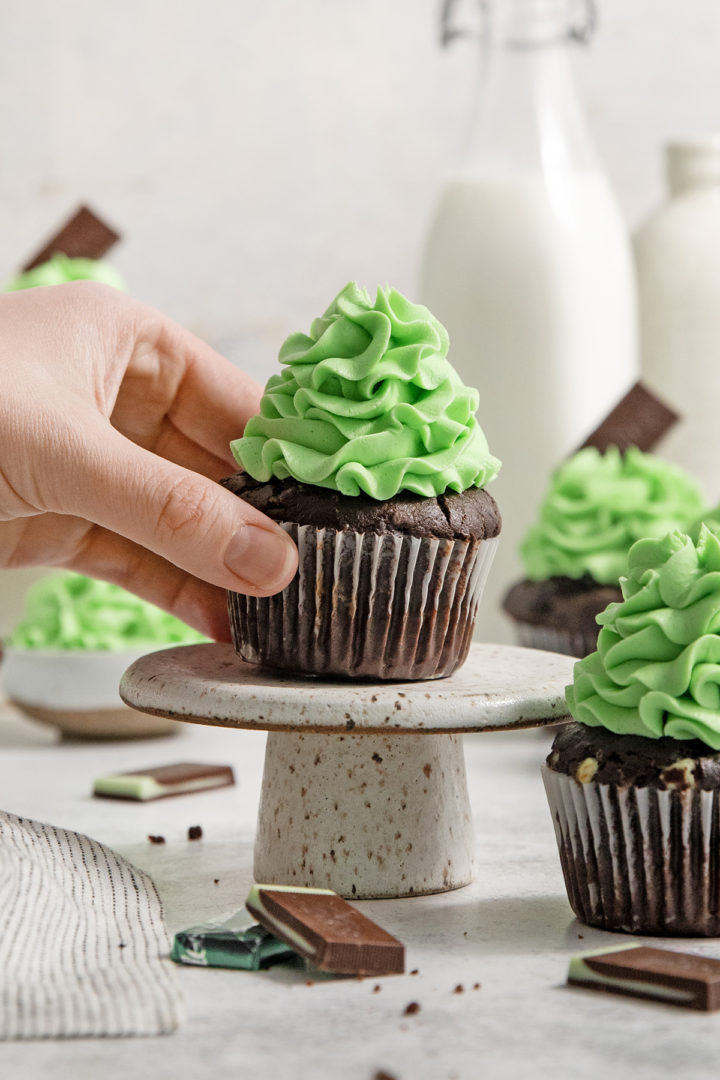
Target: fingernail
x,y
262,557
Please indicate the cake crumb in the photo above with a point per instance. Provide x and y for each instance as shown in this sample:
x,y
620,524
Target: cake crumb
x,y
459,989
382,1075
415,971
412,1008
377,988
476,986
195,832
156,839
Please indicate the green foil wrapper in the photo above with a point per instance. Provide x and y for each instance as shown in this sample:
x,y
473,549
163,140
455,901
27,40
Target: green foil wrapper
x,y
250,949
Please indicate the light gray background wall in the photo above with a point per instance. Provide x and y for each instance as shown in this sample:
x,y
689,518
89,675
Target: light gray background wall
x,y
258,155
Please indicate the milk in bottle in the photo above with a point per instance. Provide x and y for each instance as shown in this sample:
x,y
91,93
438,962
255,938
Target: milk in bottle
x,y
528,264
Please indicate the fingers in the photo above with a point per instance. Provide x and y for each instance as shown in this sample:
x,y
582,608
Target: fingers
x,y
185,518
172,373
113,558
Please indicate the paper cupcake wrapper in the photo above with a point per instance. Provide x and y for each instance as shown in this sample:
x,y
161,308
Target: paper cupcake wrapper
x,y
642,860
552,639
368,605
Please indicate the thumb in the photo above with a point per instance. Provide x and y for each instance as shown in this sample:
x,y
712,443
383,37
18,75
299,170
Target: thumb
x,y
186,518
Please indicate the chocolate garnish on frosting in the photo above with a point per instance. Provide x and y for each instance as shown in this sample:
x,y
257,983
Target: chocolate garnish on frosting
x,y
639,419
84,235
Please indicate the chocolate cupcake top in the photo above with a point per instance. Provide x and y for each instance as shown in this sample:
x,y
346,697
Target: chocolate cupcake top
x,y
369,403
595,755
598,505
656,671
468,515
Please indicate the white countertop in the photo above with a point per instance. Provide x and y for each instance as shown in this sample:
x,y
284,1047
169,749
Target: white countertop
x,y
511,930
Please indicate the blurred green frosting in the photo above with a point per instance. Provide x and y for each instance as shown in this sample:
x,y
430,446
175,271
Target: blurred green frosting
x,y
69,611
656,671
368,402
598,505
710,518
60,269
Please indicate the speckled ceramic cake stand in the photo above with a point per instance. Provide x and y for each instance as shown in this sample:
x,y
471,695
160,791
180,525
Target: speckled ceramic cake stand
x,y
364,788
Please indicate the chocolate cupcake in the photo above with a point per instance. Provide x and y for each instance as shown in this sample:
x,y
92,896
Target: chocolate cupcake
x,y
634,785
596,507
367,451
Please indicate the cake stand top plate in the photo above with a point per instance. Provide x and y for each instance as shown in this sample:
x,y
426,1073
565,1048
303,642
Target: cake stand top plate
x,y
498,687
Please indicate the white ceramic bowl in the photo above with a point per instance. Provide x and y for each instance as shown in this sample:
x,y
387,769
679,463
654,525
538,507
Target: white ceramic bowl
x,y
78,692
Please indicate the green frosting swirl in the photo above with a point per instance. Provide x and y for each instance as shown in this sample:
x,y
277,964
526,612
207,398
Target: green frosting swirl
x,y
710,518
598,505
69,611
369,403
60,269
656,671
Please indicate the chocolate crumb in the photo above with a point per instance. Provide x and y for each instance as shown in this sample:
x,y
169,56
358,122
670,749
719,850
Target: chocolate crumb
x,y
309,982
459,989
581,936
216,881
412,1008
382,1075
415,971
194,832
476,986
156,839
377,988
121,945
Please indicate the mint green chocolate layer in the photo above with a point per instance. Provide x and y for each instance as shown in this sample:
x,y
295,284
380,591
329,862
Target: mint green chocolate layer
x,y
633,761
471,514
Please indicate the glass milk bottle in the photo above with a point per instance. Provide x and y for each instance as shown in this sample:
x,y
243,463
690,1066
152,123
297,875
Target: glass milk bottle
x,y
528,264
678,264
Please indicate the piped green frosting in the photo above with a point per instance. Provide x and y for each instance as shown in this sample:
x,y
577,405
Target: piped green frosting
x,y
69,611
656,671
598,505
60,269
368,402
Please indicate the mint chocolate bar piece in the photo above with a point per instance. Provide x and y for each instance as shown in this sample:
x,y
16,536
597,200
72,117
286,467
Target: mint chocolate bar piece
x,y
219,946
639,419
84,236
326,930
163,781
658,974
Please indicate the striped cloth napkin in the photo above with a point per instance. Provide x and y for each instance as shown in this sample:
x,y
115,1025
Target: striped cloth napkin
x,y
83,944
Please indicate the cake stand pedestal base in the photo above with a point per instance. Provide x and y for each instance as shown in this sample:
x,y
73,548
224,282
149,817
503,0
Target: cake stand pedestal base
x,y
365,815
364,789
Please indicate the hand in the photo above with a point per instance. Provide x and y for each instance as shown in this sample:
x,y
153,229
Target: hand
x,y
114,428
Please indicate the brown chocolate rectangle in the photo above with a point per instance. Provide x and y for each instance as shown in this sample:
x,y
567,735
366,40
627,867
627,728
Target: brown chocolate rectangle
x,y
675,978
85,236
339,938
163,781
639,419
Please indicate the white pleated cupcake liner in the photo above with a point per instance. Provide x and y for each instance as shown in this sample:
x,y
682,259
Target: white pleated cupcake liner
x,y
641,860
367,605
552,639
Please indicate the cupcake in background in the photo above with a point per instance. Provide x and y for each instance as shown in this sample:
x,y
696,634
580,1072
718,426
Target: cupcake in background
x,y
634,783
63,661
596,506
367,450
